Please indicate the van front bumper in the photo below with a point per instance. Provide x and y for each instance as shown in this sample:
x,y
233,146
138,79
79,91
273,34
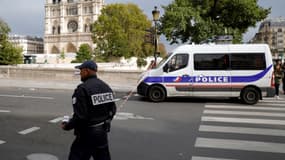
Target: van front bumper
x,y
142,89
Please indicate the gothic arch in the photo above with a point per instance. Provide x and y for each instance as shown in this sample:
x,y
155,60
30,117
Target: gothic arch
x,y
55,50
71,48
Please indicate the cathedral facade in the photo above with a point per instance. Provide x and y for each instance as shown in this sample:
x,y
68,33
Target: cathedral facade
x,y
68,24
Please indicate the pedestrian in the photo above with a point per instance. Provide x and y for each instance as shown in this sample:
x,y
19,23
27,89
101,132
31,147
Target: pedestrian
x,y
283,79
94,108
278,74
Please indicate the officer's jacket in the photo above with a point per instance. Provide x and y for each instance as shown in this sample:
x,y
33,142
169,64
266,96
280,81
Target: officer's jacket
x,y
92,104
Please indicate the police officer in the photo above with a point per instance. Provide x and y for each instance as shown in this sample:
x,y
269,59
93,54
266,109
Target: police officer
x,y
94,108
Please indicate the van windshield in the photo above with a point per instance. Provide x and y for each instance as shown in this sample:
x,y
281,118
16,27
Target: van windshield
x,y
163,60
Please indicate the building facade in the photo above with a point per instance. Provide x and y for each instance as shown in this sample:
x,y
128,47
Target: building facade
x,y
68,24
30,45
272,32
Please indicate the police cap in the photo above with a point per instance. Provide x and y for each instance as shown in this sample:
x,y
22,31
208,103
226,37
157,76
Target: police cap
x,y
88,64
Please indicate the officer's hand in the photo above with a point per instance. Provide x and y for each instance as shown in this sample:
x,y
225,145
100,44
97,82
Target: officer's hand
x,y
64,122
63,125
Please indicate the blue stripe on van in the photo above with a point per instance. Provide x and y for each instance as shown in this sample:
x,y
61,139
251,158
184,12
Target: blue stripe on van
x,y
207,79
238,79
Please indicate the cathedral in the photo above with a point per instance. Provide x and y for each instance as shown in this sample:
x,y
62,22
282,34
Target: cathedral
x,y
68,24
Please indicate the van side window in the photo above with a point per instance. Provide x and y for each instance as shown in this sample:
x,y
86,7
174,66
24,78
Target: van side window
x,y
178,61
211,61
243,61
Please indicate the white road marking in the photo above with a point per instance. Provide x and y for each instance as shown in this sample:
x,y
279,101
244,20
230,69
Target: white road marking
x,y
273,100
56,120
2,142
126,116
5,111
245,107
243,120
271,104
240,145
41,156
136,95
209,158
118,116
23,96
30,130
242,130
245,113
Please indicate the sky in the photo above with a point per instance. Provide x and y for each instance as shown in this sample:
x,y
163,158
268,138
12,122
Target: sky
x,y
26,17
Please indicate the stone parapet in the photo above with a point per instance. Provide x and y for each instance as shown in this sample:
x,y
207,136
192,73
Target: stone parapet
x,y
123,77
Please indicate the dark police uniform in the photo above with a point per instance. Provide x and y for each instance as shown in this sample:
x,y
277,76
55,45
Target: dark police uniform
x,y
94,108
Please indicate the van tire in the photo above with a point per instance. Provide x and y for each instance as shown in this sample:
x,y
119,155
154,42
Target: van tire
x,y
250,95
156,94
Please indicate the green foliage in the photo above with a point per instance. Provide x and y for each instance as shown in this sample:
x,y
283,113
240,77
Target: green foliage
x,y
84,53
196,21
4,29
119,31
9,54
141,62
62,55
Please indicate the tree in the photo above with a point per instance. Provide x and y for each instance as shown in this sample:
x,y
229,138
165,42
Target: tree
x,y
196,21
4,29
119,31
9,54
162,50
84,53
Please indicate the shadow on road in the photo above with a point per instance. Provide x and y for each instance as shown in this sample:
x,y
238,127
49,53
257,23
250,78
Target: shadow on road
x,y
195,100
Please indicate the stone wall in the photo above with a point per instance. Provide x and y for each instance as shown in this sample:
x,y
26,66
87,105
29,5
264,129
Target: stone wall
x,y
60,74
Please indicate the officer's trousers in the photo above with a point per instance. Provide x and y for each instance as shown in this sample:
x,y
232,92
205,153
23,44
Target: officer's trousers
x,y
92,143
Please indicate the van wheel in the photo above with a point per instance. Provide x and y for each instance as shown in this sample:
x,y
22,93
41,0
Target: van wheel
x,y
250,96
156,94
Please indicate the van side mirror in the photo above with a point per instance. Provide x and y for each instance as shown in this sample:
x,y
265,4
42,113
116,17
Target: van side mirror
x,y
165,68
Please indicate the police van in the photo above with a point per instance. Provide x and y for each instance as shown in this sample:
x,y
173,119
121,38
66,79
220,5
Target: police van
x,y
244,71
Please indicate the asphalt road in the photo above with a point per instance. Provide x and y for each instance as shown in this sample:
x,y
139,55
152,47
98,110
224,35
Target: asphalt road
x,y
178,129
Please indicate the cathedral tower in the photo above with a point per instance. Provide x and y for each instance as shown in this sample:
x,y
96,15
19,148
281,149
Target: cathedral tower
x,y
68,24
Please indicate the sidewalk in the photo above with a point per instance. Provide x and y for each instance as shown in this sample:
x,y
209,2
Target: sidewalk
x,y
68,85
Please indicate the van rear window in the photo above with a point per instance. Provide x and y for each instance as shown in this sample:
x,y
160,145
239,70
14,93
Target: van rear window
x,y
235,61
254,61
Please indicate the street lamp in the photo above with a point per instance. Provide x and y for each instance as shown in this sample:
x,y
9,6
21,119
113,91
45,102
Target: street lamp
x,y
155,15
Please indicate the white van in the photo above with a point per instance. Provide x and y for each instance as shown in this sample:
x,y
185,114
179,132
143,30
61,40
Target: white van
x,y
244,71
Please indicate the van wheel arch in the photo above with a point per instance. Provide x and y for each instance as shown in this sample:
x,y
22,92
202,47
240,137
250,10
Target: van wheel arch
x,y
250,94
156,93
